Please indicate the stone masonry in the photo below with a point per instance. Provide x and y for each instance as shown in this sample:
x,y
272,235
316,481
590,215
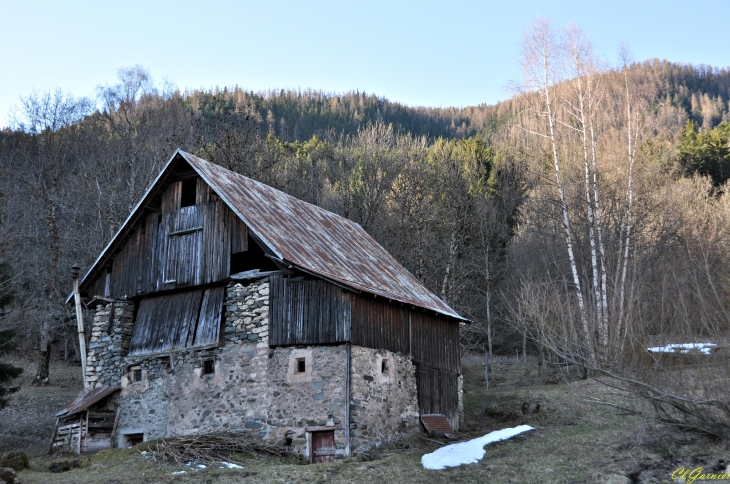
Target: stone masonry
x,y
384,401
254,388
109,343
247,313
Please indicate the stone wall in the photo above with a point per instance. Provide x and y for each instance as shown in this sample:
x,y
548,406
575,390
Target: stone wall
x,y
247,313
253,388
109,343
384,398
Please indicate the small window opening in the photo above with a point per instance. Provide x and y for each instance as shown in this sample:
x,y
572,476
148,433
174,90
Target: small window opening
x,y
137,375
288,441
188,192
384,366
134,439
301,366
208,367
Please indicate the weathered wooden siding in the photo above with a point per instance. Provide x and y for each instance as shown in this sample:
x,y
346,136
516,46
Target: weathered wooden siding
x,y
430,339
164,323
307,312
435,341
185,247
438,392
378,324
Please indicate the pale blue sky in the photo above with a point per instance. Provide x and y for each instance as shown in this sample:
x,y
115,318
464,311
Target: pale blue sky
x,y
428,53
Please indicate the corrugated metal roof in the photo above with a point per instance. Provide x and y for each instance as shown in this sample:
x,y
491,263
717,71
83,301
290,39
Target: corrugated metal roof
x,y
86,399
317,240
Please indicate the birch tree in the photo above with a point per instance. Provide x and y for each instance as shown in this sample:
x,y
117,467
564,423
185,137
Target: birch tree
x,y
542,61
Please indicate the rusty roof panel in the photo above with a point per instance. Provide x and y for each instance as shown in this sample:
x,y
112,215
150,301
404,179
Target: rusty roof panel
x,y
87,398
436,421
316,239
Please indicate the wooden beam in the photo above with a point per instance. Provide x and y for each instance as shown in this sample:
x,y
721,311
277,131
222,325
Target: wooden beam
x,y
256,274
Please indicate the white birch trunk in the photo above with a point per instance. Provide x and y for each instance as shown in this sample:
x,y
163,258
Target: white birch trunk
x,y
446,285
589,204
599,231
564,205
630,201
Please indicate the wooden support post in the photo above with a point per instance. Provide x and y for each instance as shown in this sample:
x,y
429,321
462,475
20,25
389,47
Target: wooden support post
x,y
80,323
347,399
114,430
81,423
53,438
85,447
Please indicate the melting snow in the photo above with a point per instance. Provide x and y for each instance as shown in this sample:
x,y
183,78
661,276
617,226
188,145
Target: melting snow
x,y
230,465
468,452
178,473
705,348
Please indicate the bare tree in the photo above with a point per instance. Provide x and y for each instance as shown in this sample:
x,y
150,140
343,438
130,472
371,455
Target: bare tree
x,y
542,61
42,164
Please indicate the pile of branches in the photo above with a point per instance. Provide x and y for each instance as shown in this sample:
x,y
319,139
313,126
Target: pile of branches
x,y
213,448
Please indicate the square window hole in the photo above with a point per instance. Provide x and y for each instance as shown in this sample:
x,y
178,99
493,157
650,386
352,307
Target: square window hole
x,y
133,439
301,366
384,367
208,367
137,375
188,192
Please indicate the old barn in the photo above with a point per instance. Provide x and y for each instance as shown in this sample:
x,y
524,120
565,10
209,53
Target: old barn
x,y
225,303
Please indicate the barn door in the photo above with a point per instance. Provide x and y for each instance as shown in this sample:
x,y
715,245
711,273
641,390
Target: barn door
x,y
323,446
438,393
183,246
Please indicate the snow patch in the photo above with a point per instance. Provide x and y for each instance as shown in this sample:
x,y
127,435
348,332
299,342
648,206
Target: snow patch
x,y
468,452
704,348
178,473
230,465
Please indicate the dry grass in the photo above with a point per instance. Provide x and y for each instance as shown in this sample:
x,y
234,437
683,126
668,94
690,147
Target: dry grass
x,y
574,441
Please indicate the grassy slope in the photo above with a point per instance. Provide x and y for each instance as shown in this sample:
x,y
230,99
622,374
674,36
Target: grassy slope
x,y
574,441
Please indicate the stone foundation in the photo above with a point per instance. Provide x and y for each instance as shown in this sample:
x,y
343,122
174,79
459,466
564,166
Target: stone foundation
x,y
252,388
384,401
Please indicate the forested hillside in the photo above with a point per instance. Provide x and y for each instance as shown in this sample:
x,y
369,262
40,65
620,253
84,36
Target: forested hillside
x,y
698,92
496,213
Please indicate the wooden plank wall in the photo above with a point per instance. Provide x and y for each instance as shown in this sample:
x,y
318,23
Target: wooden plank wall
x,y
435,341
430,339
209,324
307,312
184,247
164,323
379,324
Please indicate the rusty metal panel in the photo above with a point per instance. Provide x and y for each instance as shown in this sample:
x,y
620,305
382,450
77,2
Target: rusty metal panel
x,y
87,398
315,239
436,421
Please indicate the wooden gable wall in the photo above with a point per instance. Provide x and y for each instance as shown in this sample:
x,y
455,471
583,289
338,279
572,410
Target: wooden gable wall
x,y
175,247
